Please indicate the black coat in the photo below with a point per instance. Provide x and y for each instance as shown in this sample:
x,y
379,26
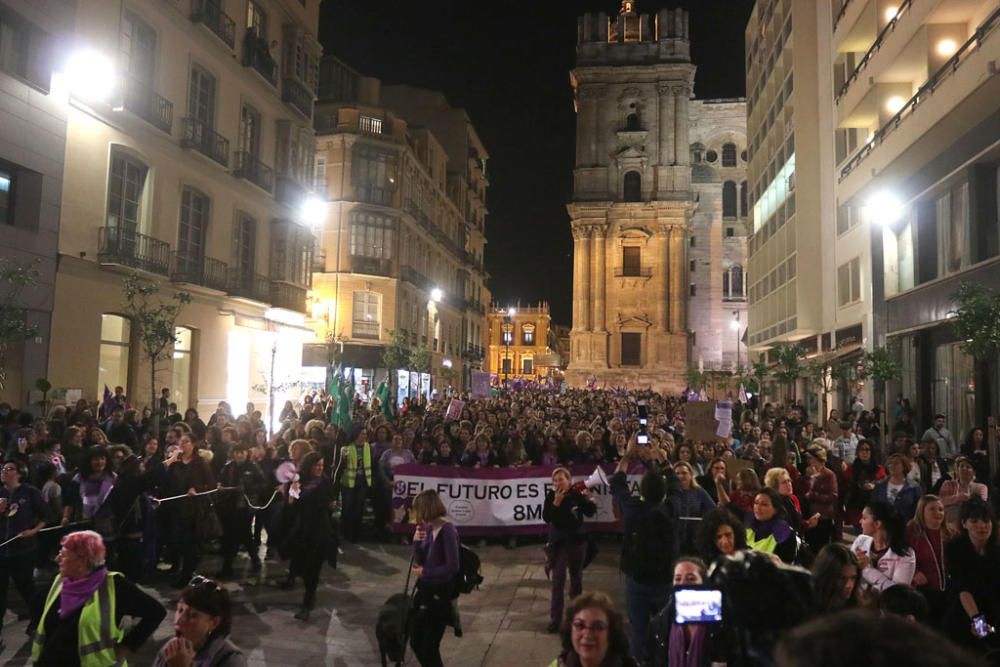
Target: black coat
x,y
566,519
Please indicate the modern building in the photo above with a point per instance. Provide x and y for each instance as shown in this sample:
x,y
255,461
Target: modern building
x,y
189,158
793,248
918,145
648,226
32,149
401,249
522,344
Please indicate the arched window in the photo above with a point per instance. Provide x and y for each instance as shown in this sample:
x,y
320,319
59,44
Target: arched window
x,y
633,186
729,199
112,367
180,374
725,285
632,123
743,199
728,155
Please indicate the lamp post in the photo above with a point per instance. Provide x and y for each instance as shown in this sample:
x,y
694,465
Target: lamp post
x,y
508,334
735,326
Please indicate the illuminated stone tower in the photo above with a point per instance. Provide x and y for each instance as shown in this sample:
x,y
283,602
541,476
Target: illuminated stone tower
x,y
632,199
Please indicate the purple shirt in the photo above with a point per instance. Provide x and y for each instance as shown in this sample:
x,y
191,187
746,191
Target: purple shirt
x,y
438,557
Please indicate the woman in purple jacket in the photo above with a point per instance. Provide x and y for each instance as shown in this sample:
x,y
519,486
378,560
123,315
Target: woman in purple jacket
x,y
435,555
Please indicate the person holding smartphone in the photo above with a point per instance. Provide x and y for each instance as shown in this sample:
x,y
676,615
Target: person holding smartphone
x,y
973,563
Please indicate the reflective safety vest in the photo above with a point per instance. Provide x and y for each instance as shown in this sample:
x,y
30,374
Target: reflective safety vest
x,y
350,474
98,632
765,544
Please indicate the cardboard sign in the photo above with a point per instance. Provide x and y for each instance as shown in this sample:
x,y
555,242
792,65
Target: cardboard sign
x,y
455,409
700,421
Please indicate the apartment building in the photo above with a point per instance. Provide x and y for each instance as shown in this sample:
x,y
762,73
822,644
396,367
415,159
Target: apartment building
x,y
402,244
522,344
918,146
32,145
189,157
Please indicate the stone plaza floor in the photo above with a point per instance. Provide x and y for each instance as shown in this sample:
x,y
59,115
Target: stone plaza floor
x,y
504,621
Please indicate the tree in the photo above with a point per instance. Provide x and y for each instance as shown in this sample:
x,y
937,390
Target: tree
x,y
788,365
695,379
420,359
396,356
154,320
826,371
15,277
880,366
977,321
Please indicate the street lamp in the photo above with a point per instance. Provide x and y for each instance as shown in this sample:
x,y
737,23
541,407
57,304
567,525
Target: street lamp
x,y
884,208
735,326
312,211
90,76
508,334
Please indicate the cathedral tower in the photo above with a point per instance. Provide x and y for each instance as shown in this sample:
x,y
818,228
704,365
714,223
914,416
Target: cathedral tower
x,y
632,199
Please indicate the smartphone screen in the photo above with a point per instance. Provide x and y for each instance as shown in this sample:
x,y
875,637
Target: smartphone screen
x,y
698,605
642,439
981,627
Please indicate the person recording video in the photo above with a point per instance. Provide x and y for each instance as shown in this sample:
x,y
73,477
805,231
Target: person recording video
x,y
565,508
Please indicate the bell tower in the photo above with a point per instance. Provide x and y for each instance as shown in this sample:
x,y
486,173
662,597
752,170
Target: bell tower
x,y
632,201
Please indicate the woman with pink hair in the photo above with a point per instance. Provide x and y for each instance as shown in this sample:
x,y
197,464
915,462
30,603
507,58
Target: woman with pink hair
x,y
75,627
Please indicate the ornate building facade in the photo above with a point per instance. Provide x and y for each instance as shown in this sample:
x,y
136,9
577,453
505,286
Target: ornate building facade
x,y
634,203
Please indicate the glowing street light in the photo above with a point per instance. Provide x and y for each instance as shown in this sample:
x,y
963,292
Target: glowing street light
x,y
91,76
312,211
884,208
436,294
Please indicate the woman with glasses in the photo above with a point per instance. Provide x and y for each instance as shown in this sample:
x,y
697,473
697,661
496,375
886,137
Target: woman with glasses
x,y
73,628
593,634
202,623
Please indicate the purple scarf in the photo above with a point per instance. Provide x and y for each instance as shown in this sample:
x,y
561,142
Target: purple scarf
x,y
682,654
76,592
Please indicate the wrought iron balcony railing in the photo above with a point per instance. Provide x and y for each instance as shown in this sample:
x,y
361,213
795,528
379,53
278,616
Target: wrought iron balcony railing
x,y
117,245
257,55
288,296
210,13
366,329
144,102
297,96
204,271
373,266
248,166
200,136
633,272
245,284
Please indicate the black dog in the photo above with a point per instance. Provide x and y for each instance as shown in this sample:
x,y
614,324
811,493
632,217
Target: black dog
x,y
390,628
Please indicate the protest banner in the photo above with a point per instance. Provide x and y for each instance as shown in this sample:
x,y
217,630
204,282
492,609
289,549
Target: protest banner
x,y
496,501
480,384
699,421
455,408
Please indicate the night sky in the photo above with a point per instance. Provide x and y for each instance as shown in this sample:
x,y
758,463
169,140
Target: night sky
x,y
507,63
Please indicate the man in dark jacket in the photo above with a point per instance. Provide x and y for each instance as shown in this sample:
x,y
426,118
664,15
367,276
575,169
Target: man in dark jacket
x,y
650,544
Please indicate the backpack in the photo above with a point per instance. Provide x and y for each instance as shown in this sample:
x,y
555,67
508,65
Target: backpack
x,y
468,577
650,547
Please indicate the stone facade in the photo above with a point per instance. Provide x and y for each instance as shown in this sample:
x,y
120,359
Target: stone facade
x,y
634,204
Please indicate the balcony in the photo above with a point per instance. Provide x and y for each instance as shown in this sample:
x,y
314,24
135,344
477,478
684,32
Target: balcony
x,y
288,296
415,278
200,136
290,190
243,283
298,96
366,329
203,271
257,55
210,13
473,352
250,168
373,194
373,266
142,100
633,272
123,247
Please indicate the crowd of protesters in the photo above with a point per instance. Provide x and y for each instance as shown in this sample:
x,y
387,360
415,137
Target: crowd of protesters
x,y
784,484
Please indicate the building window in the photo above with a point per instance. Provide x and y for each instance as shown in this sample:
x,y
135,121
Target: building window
x,y
729,199
526,367
849,282
180,375
374,174
631,261
319,176
632,123
631,349
691,266
730,232
139,49
729,155
726,294
692,290
365,320
371,125
113,359
527,334
256,20
632,190
506,365
23,50
953,230
736,282
711,156
743,199
691,240
244,244
201,98
250,129
291,253
126,186
193,227
371,235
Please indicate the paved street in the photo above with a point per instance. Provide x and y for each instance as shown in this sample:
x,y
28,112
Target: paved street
x,y
504,621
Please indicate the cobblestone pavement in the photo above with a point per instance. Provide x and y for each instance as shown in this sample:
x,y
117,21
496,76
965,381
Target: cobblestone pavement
x,y
504,622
